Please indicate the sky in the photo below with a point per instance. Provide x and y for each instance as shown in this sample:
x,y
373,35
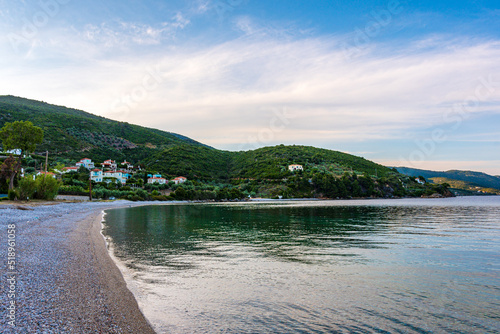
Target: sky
x,y
399,82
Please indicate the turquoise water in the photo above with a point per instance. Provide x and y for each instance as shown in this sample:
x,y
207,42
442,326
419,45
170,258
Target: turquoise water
x,y
374,266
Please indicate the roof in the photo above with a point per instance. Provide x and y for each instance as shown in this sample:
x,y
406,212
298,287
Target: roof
x,y
295,165
96,170
157,178
180,178
71,168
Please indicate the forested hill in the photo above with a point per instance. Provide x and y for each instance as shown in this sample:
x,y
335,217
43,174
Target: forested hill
x,y
474,178
71,134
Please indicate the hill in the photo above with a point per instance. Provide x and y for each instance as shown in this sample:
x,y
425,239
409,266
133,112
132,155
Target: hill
x,y
72,134
267,163
470,178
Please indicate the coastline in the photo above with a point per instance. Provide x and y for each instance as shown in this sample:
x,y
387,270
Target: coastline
x,y
66,280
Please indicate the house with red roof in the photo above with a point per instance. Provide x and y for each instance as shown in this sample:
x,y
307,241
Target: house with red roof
x,y
111,164
179,180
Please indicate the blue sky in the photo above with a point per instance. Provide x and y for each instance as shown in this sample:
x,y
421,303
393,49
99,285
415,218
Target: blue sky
x,y
410,83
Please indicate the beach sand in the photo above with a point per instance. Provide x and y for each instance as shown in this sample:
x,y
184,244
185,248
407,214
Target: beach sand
x,y
66,282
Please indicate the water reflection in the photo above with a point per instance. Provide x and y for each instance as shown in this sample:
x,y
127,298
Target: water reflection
x,y
315,267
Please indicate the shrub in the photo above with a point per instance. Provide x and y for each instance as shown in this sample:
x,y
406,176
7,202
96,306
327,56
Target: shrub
x,y
47,187
12,195
73,190
26,188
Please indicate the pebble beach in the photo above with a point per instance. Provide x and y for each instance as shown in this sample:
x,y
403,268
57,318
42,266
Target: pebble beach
x,y
63,279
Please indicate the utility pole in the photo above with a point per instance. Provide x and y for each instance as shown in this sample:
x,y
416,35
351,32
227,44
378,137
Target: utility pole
x,y
90,186
46,160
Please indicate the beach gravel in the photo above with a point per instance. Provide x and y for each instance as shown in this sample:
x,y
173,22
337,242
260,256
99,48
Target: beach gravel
x,y
65,281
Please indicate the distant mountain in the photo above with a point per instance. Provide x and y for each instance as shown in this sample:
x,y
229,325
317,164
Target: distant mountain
x,y
469,177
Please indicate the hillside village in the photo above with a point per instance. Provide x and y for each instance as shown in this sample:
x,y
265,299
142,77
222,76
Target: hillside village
x,y
110,171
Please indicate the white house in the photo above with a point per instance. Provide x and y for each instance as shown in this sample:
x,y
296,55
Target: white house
x,y
159,180
293,168
70,169
16,151
96,175
109,164
419,180
118,175
128,164
179,180
86,162
125,174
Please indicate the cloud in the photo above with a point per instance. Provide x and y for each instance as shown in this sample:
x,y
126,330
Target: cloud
x,y
129,33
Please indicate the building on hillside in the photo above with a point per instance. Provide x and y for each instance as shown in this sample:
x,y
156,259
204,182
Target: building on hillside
x,y
125,174
111,164
293,168
16,151
127,164
96,175
159,180
117,175
86,162
70,169
419,180
179,180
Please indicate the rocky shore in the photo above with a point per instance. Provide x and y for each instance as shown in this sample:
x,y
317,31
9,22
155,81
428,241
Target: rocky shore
x,y
63,280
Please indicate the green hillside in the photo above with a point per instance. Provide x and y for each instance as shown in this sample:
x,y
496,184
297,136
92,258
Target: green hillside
x,y
272,162
72,134
473,178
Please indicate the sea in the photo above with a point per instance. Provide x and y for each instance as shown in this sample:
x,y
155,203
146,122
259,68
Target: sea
x,y
340,266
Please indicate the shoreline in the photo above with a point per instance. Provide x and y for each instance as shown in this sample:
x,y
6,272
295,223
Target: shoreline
x,y
123,300
66,280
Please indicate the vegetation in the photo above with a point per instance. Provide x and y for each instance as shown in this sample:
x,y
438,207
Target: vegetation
x,y
22,136
465,188
71,133
468,181
43,187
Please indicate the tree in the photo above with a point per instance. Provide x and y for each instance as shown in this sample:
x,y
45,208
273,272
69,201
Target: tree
x,y
21,135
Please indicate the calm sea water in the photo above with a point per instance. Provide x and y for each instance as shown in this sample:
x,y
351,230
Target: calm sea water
x,y
374,266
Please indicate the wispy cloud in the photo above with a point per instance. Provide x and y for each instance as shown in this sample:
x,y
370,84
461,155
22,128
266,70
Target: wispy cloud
x,y
130,33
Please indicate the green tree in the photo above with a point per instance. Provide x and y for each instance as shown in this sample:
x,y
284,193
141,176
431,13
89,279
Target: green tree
x,y
21,135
